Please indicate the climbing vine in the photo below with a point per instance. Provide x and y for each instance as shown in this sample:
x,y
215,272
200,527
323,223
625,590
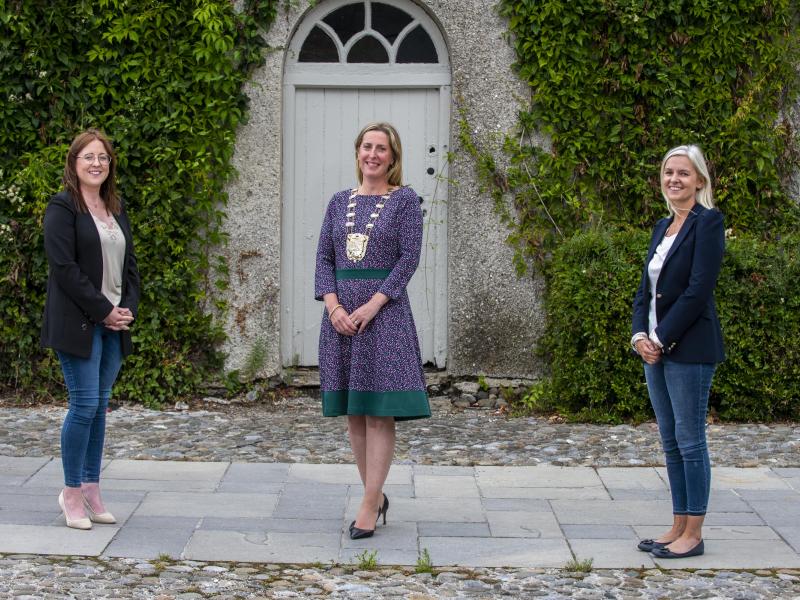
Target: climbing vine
x,y
615,83
164,80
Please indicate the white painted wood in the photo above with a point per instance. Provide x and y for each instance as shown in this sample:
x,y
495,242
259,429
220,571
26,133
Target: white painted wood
x,y
363,75
325,105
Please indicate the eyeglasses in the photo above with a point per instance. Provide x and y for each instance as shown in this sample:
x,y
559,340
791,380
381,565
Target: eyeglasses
x,y
89,158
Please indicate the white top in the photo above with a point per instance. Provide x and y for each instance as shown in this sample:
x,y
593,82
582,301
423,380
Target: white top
x,y
653,271
112,243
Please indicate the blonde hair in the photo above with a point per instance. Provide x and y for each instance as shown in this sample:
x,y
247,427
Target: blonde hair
x,y
704,196
395,173
108,189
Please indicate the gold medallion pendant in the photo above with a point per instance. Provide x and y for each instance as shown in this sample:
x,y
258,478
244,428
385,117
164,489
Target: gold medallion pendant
x,y
356,246
357,242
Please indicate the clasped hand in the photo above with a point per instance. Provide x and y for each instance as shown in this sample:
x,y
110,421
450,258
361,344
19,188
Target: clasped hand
x,y
648,350
118,319
356,321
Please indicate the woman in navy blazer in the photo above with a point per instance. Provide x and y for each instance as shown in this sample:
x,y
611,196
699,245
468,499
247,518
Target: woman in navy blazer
x,y
92,298
677,333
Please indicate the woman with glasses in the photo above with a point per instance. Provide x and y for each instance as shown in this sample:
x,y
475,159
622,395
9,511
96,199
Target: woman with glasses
x,y
92,298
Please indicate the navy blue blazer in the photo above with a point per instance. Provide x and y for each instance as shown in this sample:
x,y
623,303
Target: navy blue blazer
x,y
74,301
688,325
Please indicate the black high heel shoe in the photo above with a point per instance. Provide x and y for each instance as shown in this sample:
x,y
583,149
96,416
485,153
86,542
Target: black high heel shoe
x,y
357,533
382,510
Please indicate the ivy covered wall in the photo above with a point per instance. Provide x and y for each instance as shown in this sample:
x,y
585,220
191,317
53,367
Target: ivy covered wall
x,y
615,84
164,80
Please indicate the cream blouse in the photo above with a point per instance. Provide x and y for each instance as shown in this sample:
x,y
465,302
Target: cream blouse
x,y
112,243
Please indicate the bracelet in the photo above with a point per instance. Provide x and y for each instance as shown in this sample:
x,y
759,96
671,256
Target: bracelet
x,y
335,308
639,336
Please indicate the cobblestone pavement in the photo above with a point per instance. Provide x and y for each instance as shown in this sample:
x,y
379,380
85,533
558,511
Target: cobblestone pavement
x,y
37,577
292,430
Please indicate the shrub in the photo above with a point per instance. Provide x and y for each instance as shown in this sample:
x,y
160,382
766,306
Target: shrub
x,y
595,376
759,298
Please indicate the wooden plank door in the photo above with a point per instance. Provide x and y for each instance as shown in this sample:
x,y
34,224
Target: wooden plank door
x,y
320,128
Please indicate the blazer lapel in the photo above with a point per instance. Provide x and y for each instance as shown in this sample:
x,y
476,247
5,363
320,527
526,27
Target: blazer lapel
x,y
658,235
691,219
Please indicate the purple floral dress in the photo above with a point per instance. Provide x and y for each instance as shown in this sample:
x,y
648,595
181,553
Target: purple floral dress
x,y
379,371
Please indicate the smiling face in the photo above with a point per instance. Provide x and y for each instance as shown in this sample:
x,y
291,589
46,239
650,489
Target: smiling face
x,y
375,156
91,175
680,181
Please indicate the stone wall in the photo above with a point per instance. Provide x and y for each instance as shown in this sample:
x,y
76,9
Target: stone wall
x,y
494,317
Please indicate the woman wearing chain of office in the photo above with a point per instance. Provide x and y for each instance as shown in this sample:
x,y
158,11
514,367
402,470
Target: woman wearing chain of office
x,y
369,358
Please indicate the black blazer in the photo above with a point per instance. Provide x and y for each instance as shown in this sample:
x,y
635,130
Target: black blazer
x,y
74,301
688,325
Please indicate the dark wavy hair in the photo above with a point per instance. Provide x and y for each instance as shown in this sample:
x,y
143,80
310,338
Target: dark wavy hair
x,y
108,190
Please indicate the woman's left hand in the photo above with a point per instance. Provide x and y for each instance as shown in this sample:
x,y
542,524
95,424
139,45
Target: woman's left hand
x,y
649,352
362,316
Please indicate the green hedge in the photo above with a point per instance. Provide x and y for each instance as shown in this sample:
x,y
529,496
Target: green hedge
x,y
164,80
592,280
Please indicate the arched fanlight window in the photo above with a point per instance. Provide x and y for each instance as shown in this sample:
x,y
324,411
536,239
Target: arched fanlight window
x,y
368,32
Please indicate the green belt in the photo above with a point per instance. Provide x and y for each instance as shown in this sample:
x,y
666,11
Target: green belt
x,y
362,273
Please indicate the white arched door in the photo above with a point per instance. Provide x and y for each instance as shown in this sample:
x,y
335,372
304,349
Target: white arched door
x,y
350,63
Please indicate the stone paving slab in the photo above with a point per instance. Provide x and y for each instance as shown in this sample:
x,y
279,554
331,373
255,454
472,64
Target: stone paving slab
x,y
304,525
625,478
165,470
388,556
446,486
273,547
37,539
149,543
739,554
610,553
512,524
790,533
51,474
343,474
604,532
546,493
172,504
614,512
17,470
497,552
159,485
517,517
544,476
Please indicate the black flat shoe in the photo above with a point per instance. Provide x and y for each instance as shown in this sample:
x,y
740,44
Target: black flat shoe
x,y
382,510
648,545
357,534
667,553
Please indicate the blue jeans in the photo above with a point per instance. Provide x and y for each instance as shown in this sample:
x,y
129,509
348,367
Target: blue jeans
x,y
679,395
89,382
